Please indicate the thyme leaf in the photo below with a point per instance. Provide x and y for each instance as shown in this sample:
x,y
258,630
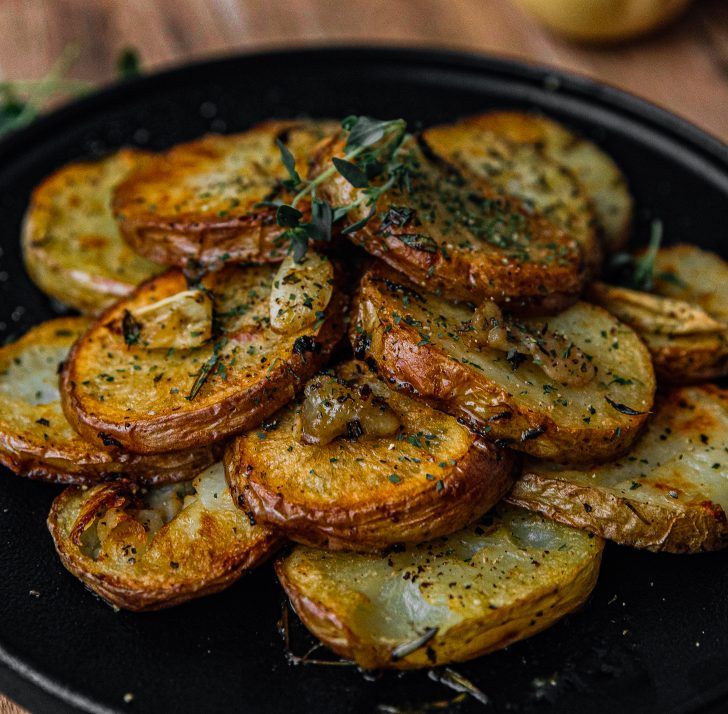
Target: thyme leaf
x,y
364,131
407,648
321,219
287,216
131,329
206,370
623,408
351,172
128,64
289,162
638,273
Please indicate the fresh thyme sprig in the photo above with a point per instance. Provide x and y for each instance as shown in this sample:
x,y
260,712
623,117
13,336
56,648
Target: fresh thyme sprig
x,y
22,101
638,273
370,152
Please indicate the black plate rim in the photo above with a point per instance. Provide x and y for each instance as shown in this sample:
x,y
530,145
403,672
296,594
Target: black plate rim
x,y
32,688
570,83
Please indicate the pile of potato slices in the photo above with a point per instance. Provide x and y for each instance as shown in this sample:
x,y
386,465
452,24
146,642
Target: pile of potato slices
x,y
420,369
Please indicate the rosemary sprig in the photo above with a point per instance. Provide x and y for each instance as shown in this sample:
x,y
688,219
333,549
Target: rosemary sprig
x,y
369,153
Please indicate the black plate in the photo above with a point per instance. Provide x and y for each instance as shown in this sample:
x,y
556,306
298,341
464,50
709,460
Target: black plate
x,y
652,638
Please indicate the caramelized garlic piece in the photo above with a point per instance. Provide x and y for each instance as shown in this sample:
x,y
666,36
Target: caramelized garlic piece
x,y
656,314
180,321
560,359
334,408
124,531
301,292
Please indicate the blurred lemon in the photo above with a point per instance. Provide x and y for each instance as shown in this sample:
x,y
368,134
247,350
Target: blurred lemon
x,y
603,20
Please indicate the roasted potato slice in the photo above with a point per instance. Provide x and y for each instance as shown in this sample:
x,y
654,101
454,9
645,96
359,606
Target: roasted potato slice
x,y
422,343
71,243
117,387
36,439
151,549
669,493
598,173
200,201
448,600
402,474
452,234
684,319
523,170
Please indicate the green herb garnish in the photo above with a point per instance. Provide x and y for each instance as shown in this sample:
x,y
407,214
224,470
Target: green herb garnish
x,y
128,63
363,160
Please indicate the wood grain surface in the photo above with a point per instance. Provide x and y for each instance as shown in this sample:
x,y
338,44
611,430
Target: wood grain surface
x,y
684,68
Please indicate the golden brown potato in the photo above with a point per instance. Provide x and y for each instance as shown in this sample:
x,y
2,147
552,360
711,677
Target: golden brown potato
x,y
117,387
465,239
684,319
37,441
601,177
151,549
668,493
448,600
403,473
423,344
523,170
71,244
200,201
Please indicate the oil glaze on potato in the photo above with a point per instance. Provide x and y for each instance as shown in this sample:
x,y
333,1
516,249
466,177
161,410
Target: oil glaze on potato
x,y
429,477
670,492
417,340
36,439
146,550
600,176
150,400
71,243
471,242
521,170
201,201
451,599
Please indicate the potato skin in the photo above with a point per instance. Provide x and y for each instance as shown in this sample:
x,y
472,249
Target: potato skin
x,y
422,368
701,527
674,505
71,468
36,440
218,558
687,273
595,169
331,614
72,247
162,215
685,360
549,279
465,643
192,424
498,158
376,515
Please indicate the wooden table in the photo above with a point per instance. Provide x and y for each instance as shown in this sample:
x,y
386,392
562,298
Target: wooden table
x,y
684,68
